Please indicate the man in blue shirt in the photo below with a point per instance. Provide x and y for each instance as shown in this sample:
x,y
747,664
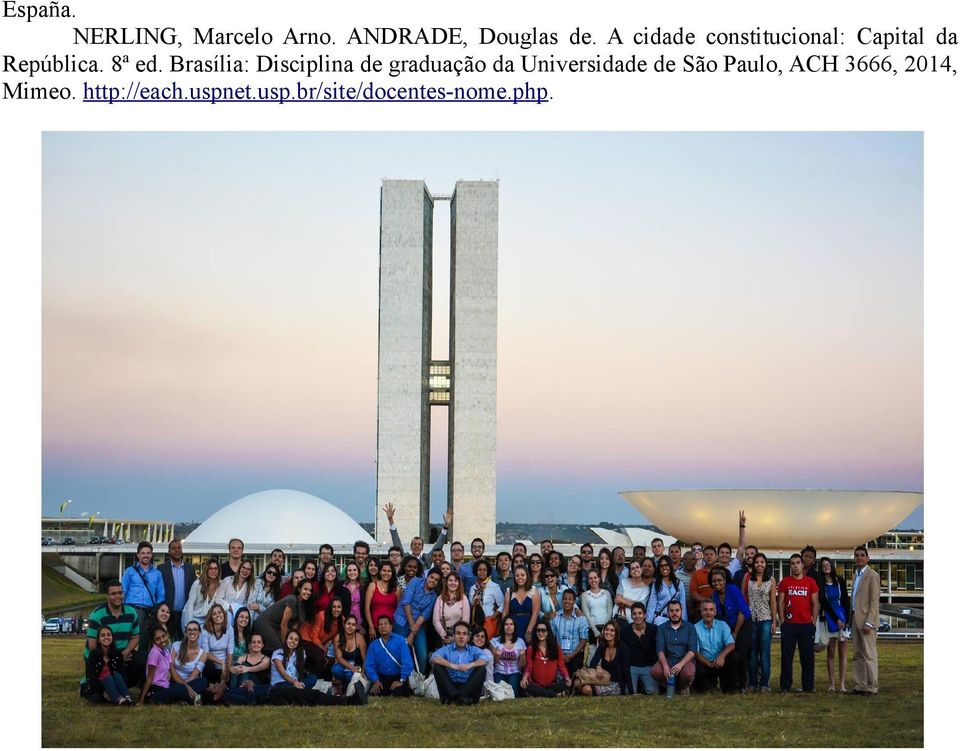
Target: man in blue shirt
x,y
460,668
676,649
142,584
715,655
571,631
388,663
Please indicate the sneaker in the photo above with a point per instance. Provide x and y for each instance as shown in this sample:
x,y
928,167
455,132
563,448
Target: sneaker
x,y
685,691
764,689
197,700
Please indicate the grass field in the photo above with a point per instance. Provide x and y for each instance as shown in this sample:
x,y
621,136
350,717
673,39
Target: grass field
x,y
893,718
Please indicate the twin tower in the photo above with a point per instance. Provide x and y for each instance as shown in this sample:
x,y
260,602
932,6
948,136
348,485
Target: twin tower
x,y
410,382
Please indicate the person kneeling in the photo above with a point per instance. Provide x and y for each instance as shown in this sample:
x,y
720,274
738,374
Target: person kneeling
x,y
460,668
388,663
715,655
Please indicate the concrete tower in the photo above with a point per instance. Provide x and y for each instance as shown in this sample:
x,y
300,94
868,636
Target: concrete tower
x,y
409,382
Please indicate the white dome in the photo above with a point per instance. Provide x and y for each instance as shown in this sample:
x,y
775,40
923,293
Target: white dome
x,y
279,517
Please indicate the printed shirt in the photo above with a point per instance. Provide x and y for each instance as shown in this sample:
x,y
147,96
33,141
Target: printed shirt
x,y
508,662
798,595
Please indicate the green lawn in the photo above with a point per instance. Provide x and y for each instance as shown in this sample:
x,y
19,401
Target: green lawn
x,y
57,592
894,718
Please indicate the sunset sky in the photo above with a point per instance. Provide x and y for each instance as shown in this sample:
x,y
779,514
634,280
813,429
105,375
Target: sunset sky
x,y
675,311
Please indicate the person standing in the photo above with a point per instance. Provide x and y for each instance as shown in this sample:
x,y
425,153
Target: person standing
x,y
234,558
798,608
864,619
834,614
178,576
143,584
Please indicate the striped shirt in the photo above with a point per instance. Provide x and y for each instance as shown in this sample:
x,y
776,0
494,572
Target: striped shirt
x,y
124,626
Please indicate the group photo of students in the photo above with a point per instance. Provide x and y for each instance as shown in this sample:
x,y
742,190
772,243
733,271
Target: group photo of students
x,y
521,623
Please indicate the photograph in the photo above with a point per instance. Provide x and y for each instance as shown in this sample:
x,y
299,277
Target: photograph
x,y
445,432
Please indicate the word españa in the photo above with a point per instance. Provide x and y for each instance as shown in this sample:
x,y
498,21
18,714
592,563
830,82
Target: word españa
x,y
52,10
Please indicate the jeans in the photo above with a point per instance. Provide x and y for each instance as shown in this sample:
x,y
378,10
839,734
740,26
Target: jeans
x,y
760,655
419,646
177,692
115,687
238,696
646,681
793,637
513,679
340,673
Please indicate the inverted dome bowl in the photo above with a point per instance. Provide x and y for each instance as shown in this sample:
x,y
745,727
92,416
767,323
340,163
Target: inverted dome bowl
x,y
783,519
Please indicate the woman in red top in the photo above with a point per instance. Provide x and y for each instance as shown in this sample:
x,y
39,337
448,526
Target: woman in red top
x,y
329,588
545,673
381,598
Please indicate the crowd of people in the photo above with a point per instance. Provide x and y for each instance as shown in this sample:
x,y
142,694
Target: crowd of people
x,y
520,624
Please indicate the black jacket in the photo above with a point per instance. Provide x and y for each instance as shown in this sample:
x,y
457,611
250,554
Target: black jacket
x,y
620,671
166,571
95,665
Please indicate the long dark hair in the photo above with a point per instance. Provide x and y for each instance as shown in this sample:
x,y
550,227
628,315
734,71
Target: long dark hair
x,y
242,637
273,589
322,577
837,576
299,652
305,608
503,634
658,577
392,584
767,570
342,635
328,619
553,649
112,650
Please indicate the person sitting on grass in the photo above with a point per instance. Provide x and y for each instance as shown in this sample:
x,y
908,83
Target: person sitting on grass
x,y
158,664
545,673
216,640
187,659
105,670
460,668
350,649
291,684
613,657
317,636
508,655
249,676
388,663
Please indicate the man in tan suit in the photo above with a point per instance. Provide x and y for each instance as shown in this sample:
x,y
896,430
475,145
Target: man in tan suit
x,y
864,620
